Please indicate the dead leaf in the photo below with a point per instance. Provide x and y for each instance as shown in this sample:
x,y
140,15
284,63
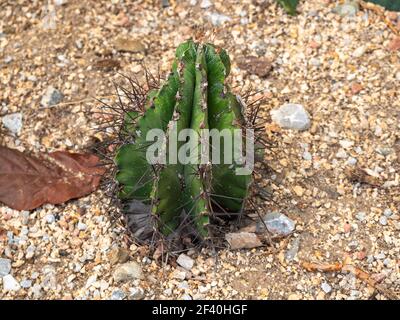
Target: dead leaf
x,y
27,182
254,65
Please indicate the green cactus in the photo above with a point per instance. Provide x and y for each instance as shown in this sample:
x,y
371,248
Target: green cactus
x,y
194,96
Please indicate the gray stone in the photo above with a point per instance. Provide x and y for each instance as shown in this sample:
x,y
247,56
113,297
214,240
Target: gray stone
x,y
81,226
351,161
218,19
37,291
50,218
185,261
383,220
387,212
51,97
118,295
307,156
277,224
10,284
326,287
361,216
128,271
13,122
294,248
204,4
5,267
348,9
136,294
26,284
30,252
291,116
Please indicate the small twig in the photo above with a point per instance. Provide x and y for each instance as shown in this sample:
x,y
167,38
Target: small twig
x,y
346,266
68,103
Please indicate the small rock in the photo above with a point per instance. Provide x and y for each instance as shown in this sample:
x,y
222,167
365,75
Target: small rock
x,y
351,161
218,19
341,154
81,226
326,287
278,224
356,88
37,291
394,45
291,116
118,295
241,240
307,156
185,261
129,45
294,248
26,284
136,294
30,252
387,212
383,220
186,297
10,284
128,271
167,292
348,9
361,216
51,97
118,255
346,144
298,190
359,52
205,4
92,279
13,122
50,218
5,267
179,274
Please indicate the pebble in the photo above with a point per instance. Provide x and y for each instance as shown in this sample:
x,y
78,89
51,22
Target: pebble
x,y
81,226
361,216
128,271
118,255
359,52
278,224
351,161
294,249
10,284
348,9
30,252
241,240
26,284
383,220
50,218
204,4
51,97
185,261
13,122
5,267
118,295
136,294
326,287
218,19
37,291
307,156
291,116
387,212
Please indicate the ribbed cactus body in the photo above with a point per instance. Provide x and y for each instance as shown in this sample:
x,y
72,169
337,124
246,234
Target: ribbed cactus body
x,y
195,97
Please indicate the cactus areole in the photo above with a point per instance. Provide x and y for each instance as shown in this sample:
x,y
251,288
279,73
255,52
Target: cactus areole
x,y
172,195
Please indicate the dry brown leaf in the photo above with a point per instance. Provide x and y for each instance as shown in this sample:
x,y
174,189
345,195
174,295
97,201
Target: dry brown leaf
x,y
27,182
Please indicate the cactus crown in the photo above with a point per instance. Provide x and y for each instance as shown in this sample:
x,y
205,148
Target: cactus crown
x,y
194,96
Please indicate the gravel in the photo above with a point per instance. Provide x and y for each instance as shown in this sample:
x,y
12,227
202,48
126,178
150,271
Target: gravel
x,y
128,271
13,122
51,97
315,61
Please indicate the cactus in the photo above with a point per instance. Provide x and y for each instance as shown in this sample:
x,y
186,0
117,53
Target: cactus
x,y
193,96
